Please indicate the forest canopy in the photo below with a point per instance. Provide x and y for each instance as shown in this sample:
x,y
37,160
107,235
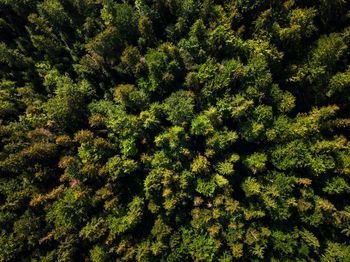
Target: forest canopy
x,y
174,130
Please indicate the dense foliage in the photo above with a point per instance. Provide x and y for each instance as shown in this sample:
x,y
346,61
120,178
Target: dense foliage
x,y
174,130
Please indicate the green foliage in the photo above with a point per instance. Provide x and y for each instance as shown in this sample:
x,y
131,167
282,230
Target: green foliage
x,y
206,186
338,84
256,162
163,68
168,130
123,17
200,164
251,187
221,140
336,185
131,217
179,107
129,147
98,254
234,107
119,167
284,243
225,168
130,60
336,251
68,107
200,245
300,26
93,229
201,125
69,211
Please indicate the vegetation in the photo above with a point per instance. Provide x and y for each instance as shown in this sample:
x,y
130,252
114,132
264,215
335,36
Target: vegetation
x,y
174,130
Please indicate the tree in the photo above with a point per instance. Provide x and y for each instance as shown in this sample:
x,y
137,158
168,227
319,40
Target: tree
x,y
179,107
123,18
68,107
169,130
